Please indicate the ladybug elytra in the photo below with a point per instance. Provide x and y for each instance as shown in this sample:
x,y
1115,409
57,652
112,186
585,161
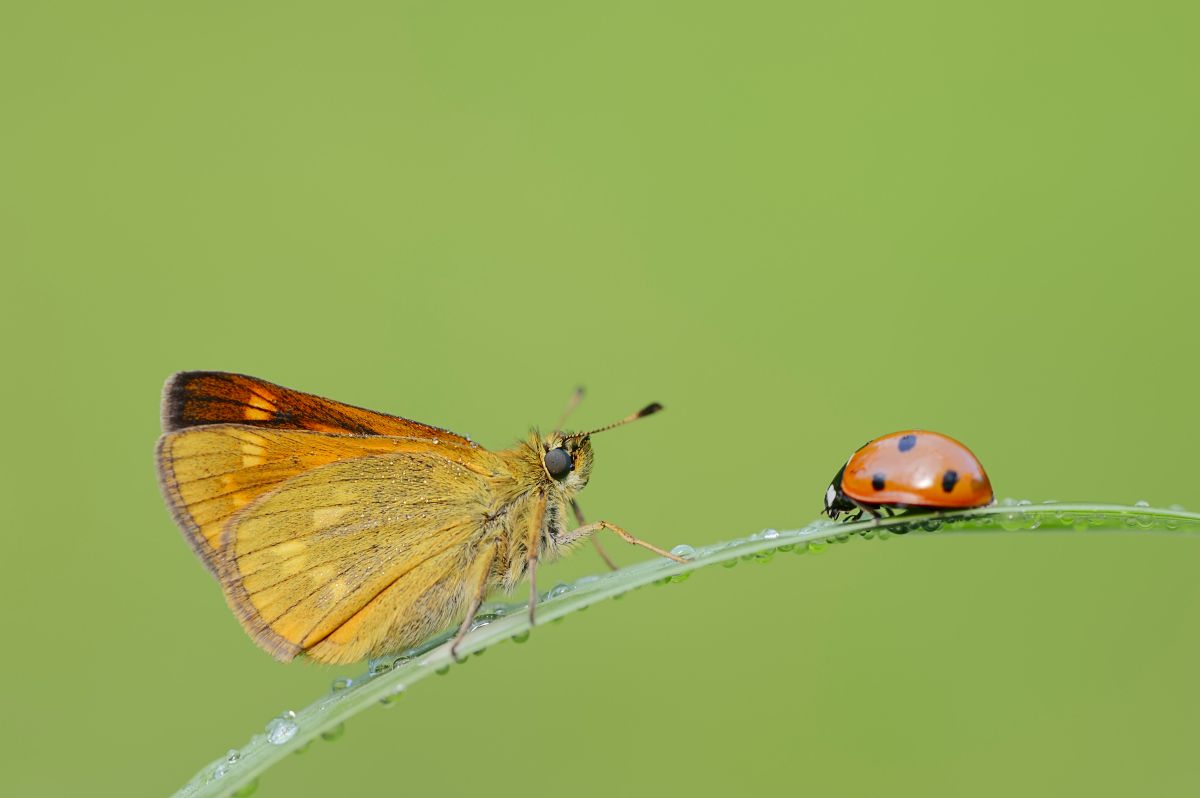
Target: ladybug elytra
x,y
908,469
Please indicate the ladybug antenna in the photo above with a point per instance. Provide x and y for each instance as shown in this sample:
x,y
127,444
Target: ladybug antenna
x,y
648,410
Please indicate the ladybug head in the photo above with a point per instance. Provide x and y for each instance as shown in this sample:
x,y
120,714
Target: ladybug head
x,y
836,502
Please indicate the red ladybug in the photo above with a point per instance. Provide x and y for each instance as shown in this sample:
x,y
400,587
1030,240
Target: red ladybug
x,y
911,468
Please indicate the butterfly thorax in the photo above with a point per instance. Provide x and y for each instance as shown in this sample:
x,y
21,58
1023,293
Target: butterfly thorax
x,y
531,503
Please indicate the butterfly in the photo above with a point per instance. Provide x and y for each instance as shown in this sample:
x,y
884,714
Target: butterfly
x,y
342,533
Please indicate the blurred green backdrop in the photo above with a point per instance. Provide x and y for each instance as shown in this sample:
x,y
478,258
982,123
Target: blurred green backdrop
x,y
796,225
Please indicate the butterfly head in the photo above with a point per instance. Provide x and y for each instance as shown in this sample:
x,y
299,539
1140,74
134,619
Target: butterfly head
x,y
567,457
567,460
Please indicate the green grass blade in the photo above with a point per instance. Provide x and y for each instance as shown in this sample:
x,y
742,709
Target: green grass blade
x,y
237,773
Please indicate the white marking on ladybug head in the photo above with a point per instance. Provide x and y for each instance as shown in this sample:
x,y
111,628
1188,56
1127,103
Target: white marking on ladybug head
x,y
830,495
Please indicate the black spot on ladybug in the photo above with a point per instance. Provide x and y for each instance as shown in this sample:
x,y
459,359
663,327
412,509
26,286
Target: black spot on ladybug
x,y
907,442
949,480
877,481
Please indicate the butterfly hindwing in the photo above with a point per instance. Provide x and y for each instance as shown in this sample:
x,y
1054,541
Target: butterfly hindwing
x,y
209,473
355,557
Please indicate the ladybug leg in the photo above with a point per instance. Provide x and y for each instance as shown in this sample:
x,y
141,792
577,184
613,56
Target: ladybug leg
x,y
865,508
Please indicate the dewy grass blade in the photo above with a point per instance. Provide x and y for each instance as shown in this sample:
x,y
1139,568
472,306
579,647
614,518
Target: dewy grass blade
x,y
238,771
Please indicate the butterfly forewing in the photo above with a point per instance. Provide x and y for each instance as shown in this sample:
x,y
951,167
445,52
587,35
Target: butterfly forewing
x,y
306,564
195,398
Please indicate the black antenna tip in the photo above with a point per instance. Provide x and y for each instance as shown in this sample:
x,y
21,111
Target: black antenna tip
x,y
649,410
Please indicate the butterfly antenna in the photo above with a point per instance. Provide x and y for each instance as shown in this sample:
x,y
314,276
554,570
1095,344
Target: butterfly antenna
x,y
572,403
648,410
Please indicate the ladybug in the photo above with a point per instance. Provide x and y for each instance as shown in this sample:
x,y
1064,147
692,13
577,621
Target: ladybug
x,y
911,468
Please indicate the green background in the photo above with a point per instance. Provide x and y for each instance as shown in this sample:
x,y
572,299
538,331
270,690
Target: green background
x,y
798,226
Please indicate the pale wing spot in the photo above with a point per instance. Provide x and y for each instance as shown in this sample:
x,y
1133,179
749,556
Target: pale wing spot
x,y
290,548
325,517
259,408
260,573
251,460
289,557
262,404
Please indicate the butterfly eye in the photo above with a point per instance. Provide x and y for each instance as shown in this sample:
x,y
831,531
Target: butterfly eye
x,y
558,463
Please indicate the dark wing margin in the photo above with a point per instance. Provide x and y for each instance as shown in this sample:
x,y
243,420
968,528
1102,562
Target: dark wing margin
x,y
199,398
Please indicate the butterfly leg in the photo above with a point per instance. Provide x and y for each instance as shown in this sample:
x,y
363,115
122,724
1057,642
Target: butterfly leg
x,y
533,544
588,529
595,540
477,579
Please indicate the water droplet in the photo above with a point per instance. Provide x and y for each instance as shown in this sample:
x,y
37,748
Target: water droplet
x,y
1141,503
329,735
1012,521
478,653
282,728
442,671
770,534
931,524
303,748
342,683
764,557
677,578
730,563
378,666
684,550
245,790
222,767
560,589
787,547
817,546
392,697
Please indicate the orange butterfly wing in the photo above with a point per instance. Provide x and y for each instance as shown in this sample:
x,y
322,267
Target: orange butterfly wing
x,y
231,439
357,558
196,398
